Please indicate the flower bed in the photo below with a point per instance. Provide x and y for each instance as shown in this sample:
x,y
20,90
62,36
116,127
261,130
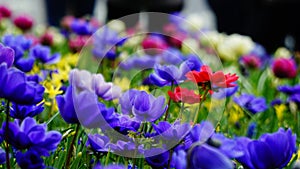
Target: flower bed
x,y
91,96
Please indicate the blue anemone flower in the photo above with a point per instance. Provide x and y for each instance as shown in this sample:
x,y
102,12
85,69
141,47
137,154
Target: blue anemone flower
x,y
165,75
30,135
269,151
17,88
144,106
172,132
251,103
25,64
19,44
98,142
30,160
7,55
289,90
43,53
178,159
207,157
22,111
66,106
82,27
159,161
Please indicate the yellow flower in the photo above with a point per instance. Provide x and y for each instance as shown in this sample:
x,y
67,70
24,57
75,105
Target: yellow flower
x,y
35,70
122,83
280,109
235,114
70,59
143,88
51,90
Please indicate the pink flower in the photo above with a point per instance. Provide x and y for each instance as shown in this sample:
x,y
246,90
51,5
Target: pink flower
x,y
5,12
77,43
284,68
23,22
47,39
154,44
251,61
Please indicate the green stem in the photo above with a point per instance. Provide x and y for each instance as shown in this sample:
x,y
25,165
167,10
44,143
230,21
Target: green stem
x,y
200,105
169,102
107,157
71,147
181,110
126,163
7,136
118,159
170,157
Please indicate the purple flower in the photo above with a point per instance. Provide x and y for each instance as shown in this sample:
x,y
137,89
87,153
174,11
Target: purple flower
x,y
158,161
66,106
165,75
144,106
251,131
30,159
105,90
225,92
295,98
18,43
126,124
276,102
139,62
172,132
98,143
2,156
30,135
43,54
289,90
207,157
105,42
127,101
179,159
200,133
126,148
225,145
91,113
172,56
7,55
16,87
82,27
84,80
251,103
192,63
22,111
269,151
25,64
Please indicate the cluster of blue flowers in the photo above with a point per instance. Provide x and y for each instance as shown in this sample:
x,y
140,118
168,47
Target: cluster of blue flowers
x,y
29,139
155,108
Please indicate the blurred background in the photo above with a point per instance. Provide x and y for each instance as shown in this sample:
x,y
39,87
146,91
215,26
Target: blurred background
x,y
272,23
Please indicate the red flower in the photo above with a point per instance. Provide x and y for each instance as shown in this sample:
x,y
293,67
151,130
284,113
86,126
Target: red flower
x,y
206,77
184,95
